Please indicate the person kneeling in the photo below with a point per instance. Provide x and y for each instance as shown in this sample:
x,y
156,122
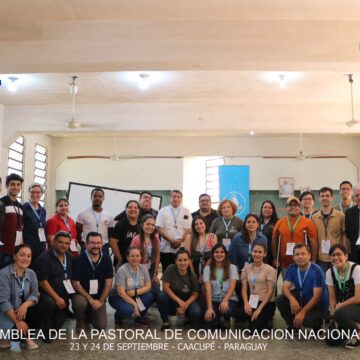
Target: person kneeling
x,y
181,290
306,304
132,293
259,280
220,279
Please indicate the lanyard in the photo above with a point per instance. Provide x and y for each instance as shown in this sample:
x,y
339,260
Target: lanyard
x,y
341,282
226,224
63,264
175,214
301,282
97,218
326,221
135,276
67,223
22,287
254,278
292,229
37,214
92,264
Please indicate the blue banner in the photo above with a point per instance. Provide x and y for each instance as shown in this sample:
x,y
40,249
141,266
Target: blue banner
x,y
234,183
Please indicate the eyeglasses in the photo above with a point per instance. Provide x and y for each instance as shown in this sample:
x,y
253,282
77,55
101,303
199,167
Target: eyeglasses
x,y
337,254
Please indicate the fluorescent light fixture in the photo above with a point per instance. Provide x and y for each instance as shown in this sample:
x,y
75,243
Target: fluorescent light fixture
x,y
144,81
12,83
282,81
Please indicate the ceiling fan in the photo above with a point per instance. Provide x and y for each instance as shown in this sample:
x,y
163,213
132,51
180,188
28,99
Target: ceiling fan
x,y
73,124
351,122
302,156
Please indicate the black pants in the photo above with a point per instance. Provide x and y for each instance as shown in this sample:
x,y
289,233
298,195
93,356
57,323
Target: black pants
x,y
166,259
313,319
263,319
348,317
55,317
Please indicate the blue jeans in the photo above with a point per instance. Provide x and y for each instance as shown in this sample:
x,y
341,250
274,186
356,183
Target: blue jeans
x,y
168,307
227,315
5,260
124,309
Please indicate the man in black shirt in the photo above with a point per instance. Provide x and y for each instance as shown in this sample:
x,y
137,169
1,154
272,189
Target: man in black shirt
x,y
54,269
205,209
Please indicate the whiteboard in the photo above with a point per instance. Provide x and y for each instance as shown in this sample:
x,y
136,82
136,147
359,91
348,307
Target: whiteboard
x,y
115,199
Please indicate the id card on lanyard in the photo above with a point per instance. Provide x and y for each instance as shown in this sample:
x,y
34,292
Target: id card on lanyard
x,y
94,284
301,282
290,245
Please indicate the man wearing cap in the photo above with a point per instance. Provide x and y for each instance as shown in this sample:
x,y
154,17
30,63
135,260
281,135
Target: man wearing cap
x,y
291,230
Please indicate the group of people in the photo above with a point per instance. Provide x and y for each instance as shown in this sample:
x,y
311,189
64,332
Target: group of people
x,y
214,265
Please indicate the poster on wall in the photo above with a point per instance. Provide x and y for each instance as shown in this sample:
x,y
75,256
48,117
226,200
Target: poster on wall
x,y
234,183
286,187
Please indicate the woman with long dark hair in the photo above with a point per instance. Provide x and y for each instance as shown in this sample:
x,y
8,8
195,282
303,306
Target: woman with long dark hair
x,y
220,278
244,241
199,243
149,244
268,218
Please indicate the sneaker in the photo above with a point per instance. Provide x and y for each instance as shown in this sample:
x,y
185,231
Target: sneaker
x,y
31,344
4,344
352,344
165,326
142,321
15,346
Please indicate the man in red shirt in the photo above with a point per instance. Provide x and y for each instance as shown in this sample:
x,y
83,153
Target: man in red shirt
x,y
291,230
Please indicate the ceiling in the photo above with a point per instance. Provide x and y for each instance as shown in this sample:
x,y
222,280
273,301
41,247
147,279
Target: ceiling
x,y
213,66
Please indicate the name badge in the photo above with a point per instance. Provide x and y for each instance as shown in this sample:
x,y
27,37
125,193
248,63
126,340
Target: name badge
x,y
140,304
226,243
94,287
19,238
68,286
290,249
73,246
254,301
358,241
325,246
41,233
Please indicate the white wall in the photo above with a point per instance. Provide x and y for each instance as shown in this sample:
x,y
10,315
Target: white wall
x,y
188,175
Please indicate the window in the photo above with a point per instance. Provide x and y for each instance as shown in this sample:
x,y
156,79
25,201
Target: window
x,y
16,159
212,179
40,169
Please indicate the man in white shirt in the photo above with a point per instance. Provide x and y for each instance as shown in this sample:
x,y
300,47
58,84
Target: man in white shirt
x,y
95,219
174,224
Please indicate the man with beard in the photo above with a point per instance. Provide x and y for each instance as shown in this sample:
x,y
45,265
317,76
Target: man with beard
x,y
205,209
92,280
95,219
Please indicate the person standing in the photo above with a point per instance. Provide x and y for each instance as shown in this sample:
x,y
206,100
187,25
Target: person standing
x,y
95,219
227,224
330,225
268,218
352,229
34,222
307,200
11,220
291,230
346,192
92,280
174,223
205,209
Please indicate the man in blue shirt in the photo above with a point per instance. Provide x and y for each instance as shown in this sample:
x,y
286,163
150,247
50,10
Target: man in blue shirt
x,y
304,305
92,280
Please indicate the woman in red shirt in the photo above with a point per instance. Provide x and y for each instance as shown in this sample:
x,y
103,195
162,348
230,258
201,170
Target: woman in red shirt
x,y
61,221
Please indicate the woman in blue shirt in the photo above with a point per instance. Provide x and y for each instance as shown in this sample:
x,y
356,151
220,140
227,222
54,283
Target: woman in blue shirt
x,y
34,221
243,242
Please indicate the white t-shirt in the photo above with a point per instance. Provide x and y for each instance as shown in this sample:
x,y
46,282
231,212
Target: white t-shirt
x,y
96,221
174,222
355,275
